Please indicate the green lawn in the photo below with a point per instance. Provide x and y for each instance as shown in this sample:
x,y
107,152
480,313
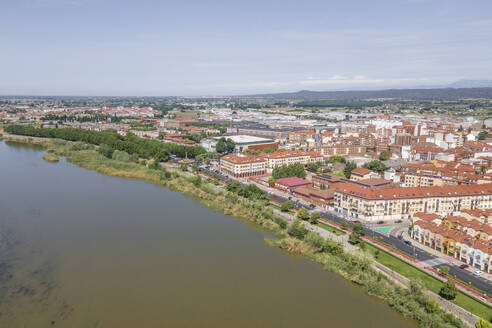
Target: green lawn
x,y
278,208
430,282
331,229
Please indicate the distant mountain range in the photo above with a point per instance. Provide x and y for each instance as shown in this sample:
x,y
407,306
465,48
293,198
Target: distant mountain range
x,y
457,90
471,84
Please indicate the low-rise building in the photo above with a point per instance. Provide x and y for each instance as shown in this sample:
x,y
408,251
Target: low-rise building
x,y
291,157
401,203
241,165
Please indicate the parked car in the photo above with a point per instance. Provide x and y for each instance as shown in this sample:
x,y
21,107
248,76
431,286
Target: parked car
x,y
380,222
275,196
398,221
408,242
478,273
356,221
464,266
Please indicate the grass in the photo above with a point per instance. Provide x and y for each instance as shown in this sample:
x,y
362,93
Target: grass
x,y
466,302
330,228
278,208
50,158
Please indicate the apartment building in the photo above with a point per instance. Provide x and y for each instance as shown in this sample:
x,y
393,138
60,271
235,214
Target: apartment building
x,y
241,165
467,240
291,157
401,203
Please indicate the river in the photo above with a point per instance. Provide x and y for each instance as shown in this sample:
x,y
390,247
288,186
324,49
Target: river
x,y
81,249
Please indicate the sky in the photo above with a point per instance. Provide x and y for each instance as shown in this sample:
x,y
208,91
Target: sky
x,y
229,47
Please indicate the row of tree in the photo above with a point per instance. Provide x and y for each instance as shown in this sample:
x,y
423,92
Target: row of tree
x,y
292,170
130,143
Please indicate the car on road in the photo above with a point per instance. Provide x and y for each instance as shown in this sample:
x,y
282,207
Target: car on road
x,y
356,221
398,221
275,196
380,222
478,273
408,242
312,206
464,266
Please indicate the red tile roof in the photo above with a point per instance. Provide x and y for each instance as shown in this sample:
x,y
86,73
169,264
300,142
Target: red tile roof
x,y
292,182
416,192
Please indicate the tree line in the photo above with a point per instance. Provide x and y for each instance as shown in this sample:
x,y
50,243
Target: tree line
x,y
130,143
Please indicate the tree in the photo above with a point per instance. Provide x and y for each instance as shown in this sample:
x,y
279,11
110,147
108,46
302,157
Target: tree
x,y
444,269
336,158
384,156
285,171
303,214
297,230
225,146
359,229
349,167
271,181
286,206
354,238
482,324
483,135
332,247
376,166
313,167
449,290
106,150
314,217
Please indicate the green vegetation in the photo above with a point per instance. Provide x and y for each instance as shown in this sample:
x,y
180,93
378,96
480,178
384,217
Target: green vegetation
x,y
449,290
483,135
376,166
384,155
225,146
51,158
292,170
313,167
286,206
130,143
303,214
482,324
331,229
431,283
336,158
349,167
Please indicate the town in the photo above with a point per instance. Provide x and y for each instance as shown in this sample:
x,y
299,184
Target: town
x,y
419,180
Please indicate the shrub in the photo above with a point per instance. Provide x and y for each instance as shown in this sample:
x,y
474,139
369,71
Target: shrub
x,y
449,290
122,156
482,324
297,230
281,223
286,206
106,150
315,240
303,214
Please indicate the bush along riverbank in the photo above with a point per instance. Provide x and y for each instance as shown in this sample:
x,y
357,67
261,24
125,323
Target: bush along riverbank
x,y
250,205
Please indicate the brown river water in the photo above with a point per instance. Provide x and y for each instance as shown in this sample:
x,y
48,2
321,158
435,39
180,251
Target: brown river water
x,y
81,249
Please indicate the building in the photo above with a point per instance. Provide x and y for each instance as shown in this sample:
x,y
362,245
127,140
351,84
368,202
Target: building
x,y
467,240
244,142
401,203
360,173
241,165
290,183
291,157
318,197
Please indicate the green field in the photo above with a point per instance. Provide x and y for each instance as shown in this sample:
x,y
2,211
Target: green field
x,y
331,229
433,284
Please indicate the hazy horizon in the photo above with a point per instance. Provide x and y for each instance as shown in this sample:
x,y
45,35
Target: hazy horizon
x,y
193,48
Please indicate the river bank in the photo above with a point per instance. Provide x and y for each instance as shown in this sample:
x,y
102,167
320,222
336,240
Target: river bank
x,y
354,266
